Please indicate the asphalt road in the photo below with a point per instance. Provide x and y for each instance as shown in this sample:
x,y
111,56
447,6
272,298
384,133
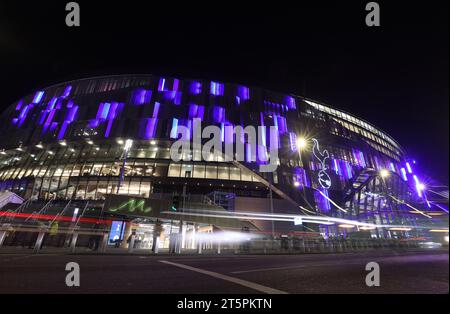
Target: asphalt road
x,y
400,272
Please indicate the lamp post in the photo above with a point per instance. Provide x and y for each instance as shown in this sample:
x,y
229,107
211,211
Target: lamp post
x,y
302,143
126,149
271,205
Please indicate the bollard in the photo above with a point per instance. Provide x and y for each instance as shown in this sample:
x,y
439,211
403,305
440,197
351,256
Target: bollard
x,y
73,242
39,240
236,248
218,248
104,243
131,244
179,243
2,237
199,247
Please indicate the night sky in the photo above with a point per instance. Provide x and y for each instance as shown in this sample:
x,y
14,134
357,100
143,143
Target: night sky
x,y
395,76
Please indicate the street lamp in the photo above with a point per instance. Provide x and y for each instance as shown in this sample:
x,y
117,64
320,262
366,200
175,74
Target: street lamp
x,y
302,143
384,173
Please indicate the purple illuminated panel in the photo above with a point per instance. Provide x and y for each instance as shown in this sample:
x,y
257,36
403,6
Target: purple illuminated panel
x,y
302,177
177,98
336,166
290,102
113,113
404,176
150,128
103,110
71,114
408,166
173,131
69,119
176,84
392,167
67,91
38,97
23,114
141,96
280,124
49,120
19,105
243,93
156,110
161,84
62,130
293,141
218,114
322,202
195,88
217,89
418,186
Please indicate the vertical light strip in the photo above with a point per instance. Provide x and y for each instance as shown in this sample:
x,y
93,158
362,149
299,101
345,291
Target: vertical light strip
x,y
173,131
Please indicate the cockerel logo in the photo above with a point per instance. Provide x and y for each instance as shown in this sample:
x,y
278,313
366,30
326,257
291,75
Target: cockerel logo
x,y
322,156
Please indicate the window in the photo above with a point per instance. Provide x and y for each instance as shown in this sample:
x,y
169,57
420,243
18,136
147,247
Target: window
x,y
246,175
235,173
224,173
186,170
199,171
211,172
174,170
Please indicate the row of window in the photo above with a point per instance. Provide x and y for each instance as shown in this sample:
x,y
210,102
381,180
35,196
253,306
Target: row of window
x,y
357,122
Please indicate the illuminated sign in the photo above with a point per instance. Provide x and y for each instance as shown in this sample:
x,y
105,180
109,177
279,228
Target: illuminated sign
x,y
117,230
131,206
135,206
322,156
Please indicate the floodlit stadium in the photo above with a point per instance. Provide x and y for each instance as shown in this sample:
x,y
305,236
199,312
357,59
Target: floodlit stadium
x,y
94,155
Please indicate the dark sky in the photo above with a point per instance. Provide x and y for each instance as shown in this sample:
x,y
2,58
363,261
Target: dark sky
x,y
395,76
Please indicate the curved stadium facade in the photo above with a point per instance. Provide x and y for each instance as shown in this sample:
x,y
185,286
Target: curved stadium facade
x,y
64,147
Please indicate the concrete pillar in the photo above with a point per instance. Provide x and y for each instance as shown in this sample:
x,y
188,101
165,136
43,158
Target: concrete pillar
x,y
39,240
73,242
2,237
126,234
131,244
155,248
104,243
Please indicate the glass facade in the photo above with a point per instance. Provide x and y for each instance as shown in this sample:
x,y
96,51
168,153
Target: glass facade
x,y
68,141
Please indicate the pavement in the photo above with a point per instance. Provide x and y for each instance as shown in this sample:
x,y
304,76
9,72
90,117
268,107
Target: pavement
x,y
400,272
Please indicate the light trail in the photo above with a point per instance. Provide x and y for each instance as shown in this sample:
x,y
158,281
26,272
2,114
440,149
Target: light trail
x,y
413,208
285,217
331,201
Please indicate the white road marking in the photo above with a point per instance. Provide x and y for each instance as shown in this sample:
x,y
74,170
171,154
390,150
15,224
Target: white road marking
x,y
238,281
266,269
